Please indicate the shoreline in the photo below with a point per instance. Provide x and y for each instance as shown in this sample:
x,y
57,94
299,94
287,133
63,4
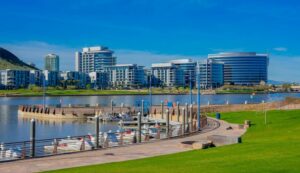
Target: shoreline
x,y
132,94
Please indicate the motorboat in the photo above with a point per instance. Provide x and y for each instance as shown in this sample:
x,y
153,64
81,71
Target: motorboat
x,y
10,153
70,145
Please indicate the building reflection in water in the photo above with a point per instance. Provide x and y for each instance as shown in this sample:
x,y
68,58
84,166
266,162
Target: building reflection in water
x,y
52,122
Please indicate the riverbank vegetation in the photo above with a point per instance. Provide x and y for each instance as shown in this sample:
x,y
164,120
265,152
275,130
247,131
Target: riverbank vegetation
x,y
58,91
72,90
271,147
232,89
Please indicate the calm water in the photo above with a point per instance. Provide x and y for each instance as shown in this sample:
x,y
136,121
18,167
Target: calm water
x,y
13,128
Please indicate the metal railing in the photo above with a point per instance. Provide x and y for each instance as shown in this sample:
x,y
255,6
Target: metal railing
x,y
54,146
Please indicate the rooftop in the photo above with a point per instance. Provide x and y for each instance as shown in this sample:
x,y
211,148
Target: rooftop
x,y
96,49
227,54
181,61
162,65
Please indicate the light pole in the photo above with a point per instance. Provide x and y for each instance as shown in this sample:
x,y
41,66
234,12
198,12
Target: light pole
x,y
191,88
150,91
44,91
198,97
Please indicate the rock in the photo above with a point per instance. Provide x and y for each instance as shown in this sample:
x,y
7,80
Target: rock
x,y
229,128
247,122
202,144
219,140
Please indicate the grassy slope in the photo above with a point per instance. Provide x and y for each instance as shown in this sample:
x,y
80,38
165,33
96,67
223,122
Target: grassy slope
x,y
7,65
271,148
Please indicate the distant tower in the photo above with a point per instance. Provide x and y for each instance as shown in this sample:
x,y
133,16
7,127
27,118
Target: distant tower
x,y
52,62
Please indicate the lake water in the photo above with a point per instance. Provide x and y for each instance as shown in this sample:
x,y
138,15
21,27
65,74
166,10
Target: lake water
x,y
13,128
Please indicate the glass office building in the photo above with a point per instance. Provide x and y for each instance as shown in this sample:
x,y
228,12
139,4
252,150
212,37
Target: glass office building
x,y
188,68
211,74
243,68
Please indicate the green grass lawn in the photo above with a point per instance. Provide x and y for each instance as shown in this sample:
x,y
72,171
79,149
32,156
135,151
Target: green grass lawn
x,y
274,147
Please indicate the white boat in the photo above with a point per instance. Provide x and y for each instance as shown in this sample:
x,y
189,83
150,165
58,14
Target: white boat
x,y
152,132
70,145
126,117
127,136
10,153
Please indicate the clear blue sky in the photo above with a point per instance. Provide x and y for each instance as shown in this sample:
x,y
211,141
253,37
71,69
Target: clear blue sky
x,y
144,31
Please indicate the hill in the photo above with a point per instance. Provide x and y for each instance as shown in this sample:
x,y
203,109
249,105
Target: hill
x,y
11,61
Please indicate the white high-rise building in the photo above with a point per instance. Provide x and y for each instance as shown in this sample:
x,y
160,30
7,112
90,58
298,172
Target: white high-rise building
x,y
93,59
126,75
167,74
52,62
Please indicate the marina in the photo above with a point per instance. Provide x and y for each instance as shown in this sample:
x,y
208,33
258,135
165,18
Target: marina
x,y
12,126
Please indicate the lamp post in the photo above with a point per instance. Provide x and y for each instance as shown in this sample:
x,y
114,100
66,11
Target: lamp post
x,y
150,91
44,92
265,112
191,88
198,97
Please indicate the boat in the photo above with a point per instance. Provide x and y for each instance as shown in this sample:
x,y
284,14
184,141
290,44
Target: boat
x,y
109,139
70,145
151,131
10,153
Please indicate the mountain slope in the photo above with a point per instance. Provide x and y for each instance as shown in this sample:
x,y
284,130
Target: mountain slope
x,y
11,61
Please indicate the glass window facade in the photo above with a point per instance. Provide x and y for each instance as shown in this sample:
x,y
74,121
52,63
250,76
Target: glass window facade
x,y
188,69
246,68
211,74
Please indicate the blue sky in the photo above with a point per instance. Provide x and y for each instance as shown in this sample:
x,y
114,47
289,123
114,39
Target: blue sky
x,y
145,32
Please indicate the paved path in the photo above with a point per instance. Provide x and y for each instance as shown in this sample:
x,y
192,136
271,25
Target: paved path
x,y
113,154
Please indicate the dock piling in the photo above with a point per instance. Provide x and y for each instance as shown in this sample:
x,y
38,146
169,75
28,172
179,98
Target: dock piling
x,y
183,121
162,110
191,119
112,106
167,123
178,111
32,137
97,132
187,117
139,127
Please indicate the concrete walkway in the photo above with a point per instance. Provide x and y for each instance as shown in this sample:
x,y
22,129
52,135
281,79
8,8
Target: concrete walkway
x,y
115,154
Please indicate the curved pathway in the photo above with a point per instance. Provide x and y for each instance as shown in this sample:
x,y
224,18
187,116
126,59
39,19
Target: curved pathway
x,y
117,154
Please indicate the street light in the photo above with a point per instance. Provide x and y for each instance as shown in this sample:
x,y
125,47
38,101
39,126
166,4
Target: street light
x,y
150,91
198,97
191,88
44,91
264,111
